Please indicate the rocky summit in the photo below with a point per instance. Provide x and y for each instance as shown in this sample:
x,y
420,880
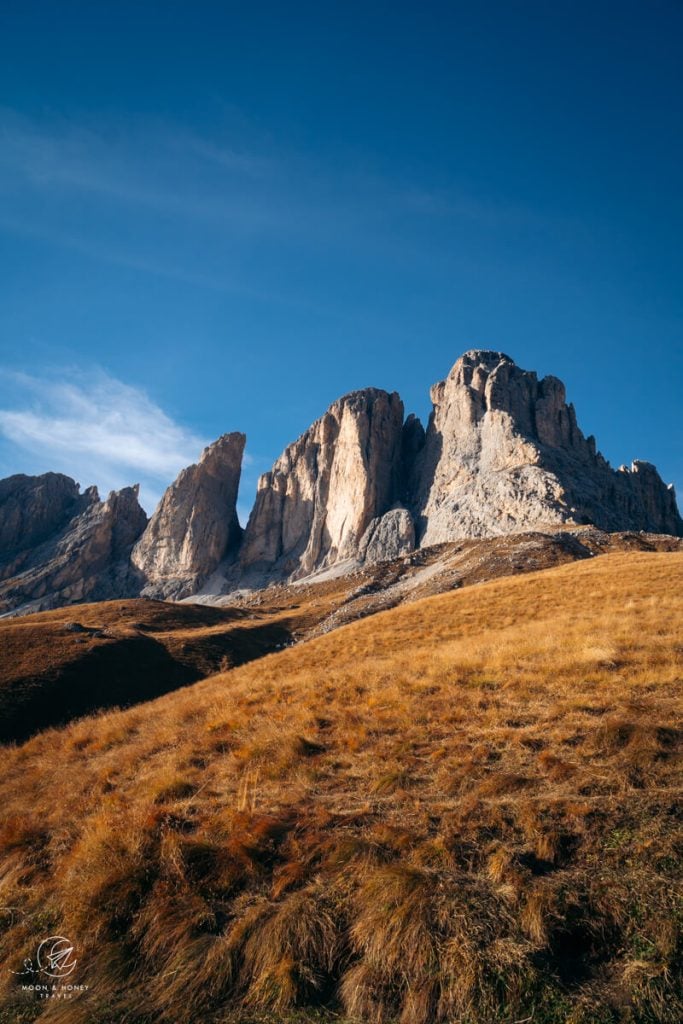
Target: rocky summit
x,y
502,454
58,546
315,505
195,526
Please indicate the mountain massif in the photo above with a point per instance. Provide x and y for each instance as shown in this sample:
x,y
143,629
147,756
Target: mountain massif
x,y
502,454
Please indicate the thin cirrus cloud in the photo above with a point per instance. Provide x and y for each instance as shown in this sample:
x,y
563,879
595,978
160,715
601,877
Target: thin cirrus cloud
x,y
211,189
95,428
167,171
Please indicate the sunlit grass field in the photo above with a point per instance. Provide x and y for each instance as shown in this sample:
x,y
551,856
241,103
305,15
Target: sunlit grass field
x,y
460,810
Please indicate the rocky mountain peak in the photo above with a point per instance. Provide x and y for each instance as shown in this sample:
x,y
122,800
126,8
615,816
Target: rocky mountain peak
x,y
60,546
482,381
476,359
32,508
195,525
503,453
313,508
128,518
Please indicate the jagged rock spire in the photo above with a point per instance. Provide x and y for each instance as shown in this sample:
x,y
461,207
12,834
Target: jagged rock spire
x,y
195,526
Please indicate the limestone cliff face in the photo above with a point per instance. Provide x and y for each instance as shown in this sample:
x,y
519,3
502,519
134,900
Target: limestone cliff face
x,y
195,526
503,453
60,546
315,505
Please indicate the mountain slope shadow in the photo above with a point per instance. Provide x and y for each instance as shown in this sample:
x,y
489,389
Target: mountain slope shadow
x,y
102,673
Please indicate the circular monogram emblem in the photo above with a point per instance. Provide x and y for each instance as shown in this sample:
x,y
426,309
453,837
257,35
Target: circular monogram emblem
x,y
55,956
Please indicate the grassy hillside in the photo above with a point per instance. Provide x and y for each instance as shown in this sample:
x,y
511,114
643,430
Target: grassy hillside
x,y
464,809
61,664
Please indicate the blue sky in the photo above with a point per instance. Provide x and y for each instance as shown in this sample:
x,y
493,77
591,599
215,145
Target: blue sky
x,y
219,216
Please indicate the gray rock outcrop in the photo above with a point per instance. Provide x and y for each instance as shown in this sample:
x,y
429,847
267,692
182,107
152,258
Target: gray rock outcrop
x,y
387,537
313,508
503,453
83,553
195,526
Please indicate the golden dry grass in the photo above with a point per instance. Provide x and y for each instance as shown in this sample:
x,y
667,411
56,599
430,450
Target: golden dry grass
x,y
120,653
463,809
135,650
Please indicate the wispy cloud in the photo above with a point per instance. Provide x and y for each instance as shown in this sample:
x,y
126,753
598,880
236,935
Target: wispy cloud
x,y
162,169
227,190
95,428
110,254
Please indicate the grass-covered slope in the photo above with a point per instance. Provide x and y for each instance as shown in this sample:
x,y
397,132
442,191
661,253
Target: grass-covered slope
x,y
59,665
464,809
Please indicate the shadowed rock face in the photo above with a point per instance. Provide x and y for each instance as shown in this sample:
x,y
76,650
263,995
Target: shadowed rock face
x,y
84,548
503,453
34,507
195,526
314,506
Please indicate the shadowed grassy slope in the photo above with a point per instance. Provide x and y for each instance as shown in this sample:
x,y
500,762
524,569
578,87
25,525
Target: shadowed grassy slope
x,y
463,809
58,665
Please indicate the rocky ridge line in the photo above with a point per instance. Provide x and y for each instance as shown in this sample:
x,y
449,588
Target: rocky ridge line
x,y
502,454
